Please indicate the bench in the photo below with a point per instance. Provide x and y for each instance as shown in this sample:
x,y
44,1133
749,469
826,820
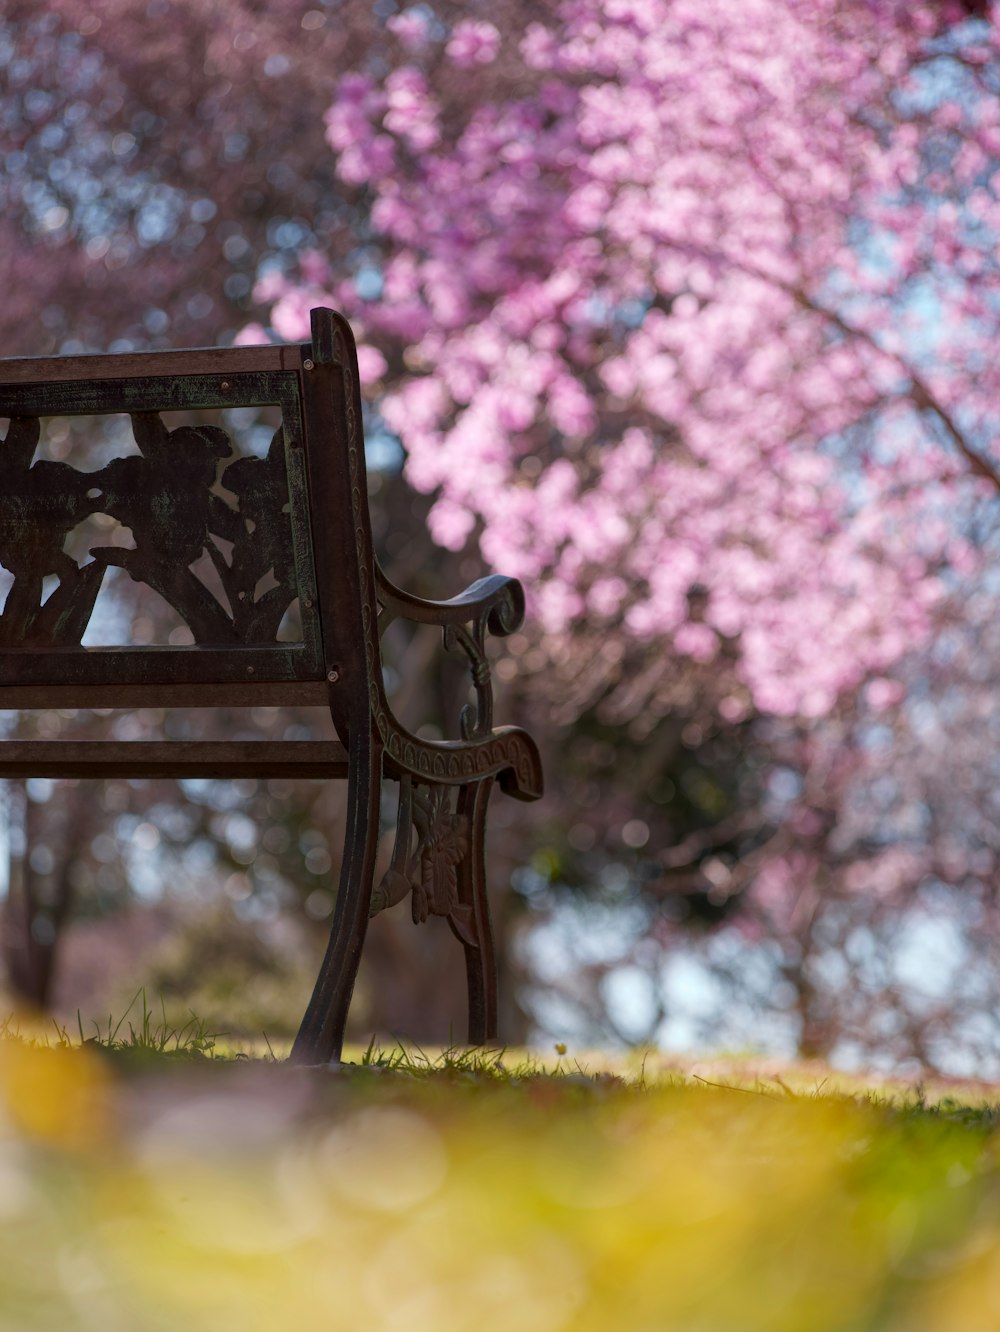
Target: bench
x,y
264,557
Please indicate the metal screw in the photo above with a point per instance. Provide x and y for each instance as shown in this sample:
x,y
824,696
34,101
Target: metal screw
x,y
333,676
250,670
225,386
308,605
308,365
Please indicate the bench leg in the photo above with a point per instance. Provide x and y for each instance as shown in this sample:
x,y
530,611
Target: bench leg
x,y
480,958
320,1039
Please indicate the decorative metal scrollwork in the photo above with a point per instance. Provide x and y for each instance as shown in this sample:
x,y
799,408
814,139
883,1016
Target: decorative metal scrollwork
x,y
169,497
430,870
476,720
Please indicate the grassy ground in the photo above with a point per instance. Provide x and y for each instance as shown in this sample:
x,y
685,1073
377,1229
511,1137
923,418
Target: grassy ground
x,y
142,1191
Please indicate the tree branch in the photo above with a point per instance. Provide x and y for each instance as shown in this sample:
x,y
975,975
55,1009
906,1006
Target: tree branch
x,y
923,396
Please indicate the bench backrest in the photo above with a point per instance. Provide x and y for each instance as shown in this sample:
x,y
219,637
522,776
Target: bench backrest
x,y
241,544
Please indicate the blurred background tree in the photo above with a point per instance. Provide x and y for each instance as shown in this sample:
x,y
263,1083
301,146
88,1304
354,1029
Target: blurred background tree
x,y
685,315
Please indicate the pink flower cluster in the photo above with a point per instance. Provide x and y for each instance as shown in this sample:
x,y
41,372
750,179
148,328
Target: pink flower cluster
x,y
699,331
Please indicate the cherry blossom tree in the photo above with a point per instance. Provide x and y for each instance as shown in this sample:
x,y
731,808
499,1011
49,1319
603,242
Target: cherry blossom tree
x,y
693,305
658,298
662,283
681,311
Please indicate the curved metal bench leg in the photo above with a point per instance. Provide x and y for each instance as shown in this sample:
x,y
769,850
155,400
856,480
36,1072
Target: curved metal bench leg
x,y
480,958
320,1038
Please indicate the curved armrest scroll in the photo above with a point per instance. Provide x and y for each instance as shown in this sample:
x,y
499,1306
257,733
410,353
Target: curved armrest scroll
x,y
494,604
498,599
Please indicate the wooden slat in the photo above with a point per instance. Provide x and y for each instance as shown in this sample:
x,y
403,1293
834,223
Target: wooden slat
x,y
299,693
172,758
209,361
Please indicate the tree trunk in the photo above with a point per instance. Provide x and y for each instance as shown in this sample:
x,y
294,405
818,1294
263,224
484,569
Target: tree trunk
x,y
37,905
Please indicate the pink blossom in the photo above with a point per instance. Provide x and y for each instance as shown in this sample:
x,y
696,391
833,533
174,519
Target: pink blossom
x,y
411,113
411,27
372,364
697,641
473,43
251,335
539,47
450,524
270,287
882,694
607,596
290,317
637,262
314,267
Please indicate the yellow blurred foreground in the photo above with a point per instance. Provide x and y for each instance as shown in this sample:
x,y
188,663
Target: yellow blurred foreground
x,y
228,1196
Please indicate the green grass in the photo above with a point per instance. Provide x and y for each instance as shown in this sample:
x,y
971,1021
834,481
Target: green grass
x,y
482,1190
155,1037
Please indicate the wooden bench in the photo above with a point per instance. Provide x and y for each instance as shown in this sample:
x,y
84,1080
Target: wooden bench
x,y
240,546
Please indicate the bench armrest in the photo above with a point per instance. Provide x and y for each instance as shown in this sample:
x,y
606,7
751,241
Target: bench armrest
x,y
494,604
500,600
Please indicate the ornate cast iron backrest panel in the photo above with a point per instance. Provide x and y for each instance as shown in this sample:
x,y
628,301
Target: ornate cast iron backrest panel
x,y
188,497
